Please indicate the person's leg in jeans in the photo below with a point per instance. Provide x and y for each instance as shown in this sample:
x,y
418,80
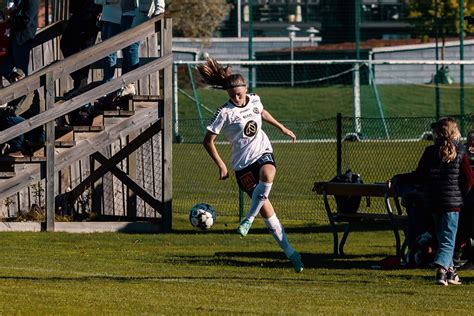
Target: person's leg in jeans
x,y
446,226
22,56
109,29
130,53
18,56
17,143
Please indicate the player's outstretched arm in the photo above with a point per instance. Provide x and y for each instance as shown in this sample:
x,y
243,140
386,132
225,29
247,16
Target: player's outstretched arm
x,y
267,117
209,144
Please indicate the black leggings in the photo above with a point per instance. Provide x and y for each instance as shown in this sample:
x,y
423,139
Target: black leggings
x,y
248,178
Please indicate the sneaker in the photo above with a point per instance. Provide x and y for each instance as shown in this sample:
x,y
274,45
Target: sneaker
x,y
129,89
295,258
244,227
453,277
16,154
442,276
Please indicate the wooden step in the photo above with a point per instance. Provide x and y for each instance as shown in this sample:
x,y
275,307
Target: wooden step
x,y
57,143
7,170
7,174
153,98
80,128
25,159
118,113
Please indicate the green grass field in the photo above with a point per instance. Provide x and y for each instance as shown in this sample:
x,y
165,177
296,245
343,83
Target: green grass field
x,y
310,104
215,272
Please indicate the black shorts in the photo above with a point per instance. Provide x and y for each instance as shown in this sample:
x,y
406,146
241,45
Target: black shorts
x,y
248,178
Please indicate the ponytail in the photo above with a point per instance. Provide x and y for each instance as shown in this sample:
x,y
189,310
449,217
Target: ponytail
x,y
218,76
447,134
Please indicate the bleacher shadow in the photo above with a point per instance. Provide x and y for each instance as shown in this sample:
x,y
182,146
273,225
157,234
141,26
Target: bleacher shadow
x,y
303,229
310,260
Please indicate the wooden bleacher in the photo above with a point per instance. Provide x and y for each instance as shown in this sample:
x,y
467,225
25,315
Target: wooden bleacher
x,y
73,158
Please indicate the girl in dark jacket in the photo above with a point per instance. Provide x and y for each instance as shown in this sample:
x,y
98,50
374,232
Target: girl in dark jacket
x,y
446,176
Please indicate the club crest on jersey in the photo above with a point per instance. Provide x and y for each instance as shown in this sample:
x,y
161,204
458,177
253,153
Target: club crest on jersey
x,y
255,110
250,129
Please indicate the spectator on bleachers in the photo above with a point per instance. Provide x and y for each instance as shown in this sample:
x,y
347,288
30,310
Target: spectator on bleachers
x,y
147,9
16,112
24,22
132,16
80,33
111,25
131,58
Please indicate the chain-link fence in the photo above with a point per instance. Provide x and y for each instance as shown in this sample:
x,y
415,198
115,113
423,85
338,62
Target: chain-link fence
x,y
370,152
397,101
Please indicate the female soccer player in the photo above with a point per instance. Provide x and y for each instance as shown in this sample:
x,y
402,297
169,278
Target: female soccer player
x,y
240,120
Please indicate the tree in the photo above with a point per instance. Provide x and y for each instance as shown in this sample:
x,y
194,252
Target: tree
x,y
438,17
196,18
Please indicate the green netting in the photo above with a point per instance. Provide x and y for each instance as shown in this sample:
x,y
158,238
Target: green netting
x,y
299,165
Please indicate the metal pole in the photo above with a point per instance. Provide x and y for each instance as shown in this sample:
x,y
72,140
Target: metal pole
x,y
239,18
250,48
339,143
461,55
356,85
251,85
357,110
437,94
177,137
292,71
357,28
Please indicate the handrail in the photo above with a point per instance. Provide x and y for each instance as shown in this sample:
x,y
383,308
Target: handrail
x,y
75,62
81,59
49,32
65,107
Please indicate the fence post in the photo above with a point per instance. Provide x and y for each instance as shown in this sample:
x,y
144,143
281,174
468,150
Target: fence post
x,y
461,57
356,99
50,138
339,143
176,135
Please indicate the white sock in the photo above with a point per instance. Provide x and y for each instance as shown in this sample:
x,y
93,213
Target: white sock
x,y
276,229
259,196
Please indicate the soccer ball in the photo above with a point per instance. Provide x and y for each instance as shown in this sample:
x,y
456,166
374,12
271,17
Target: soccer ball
x,y
202,216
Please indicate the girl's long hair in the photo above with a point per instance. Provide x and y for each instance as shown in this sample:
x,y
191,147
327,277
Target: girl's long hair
x,y
218,76
446,133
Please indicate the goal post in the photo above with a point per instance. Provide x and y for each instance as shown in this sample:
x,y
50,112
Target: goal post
x,y
357,88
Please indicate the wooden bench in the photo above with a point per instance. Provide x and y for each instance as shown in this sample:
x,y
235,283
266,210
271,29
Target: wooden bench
x,y
377,190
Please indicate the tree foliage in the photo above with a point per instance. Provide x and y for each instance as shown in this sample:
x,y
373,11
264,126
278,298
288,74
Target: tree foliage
x,y
196,18
440,17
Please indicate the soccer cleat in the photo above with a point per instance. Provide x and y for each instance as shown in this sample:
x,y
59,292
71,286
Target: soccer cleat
x,y
244,227
295,258
442,277
452,277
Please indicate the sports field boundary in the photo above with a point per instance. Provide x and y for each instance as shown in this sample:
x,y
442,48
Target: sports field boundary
x,y
84,227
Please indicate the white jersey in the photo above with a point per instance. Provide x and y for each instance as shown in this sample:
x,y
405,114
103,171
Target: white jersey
x,y
242,126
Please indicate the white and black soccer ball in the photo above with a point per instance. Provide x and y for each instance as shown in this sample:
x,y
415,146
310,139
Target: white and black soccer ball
x,y
202,216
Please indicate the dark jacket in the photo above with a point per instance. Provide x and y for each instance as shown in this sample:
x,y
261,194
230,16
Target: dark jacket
x,y
441,187
81,29
444,184
25,20
470,156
